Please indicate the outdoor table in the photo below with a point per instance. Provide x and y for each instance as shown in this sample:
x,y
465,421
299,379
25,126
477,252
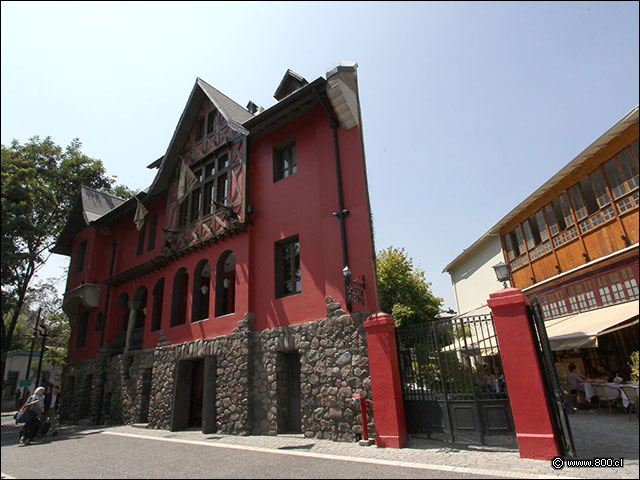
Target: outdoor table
x,y
589,391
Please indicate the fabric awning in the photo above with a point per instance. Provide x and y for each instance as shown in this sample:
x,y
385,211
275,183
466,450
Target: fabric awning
x,y
583,329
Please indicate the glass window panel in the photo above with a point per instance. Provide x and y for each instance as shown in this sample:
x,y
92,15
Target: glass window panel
x,y
510,253
599,188
541,225
528,235
634,149
579,206
589,196
629,168
614,176
563,204
551,219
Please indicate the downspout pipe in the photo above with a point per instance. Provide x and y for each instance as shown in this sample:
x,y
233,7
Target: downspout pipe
x,y
342,212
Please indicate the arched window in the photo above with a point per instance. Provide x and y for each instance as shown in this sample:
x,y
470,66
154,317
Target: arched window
x,y
123,304
201,291
158,298
140,302
225,284
179,298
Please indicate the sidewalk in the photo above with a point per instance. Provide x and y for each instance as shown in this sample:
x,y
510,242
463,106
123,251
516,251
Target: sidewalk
x,y
594,435
495,461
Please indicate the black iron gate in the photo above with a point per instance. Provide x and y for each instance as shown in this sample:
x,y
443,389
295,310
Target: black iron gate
x,y
552,383
452,380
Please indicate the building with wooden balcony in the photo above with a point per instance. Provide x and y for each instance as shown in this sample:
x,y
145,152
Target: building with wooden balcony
x,y
230,294
573,245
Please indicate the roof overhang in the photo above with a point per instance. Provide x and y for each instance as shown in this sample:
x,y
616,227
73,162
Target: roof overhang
x,y
620,126
583,329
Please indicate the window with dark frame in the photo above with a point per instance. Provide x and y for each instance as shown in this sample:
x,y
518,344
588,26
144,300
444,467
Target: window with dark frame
x,y
141,235
284,161
80,254
158,298
81,338
213,186
199,132
212,117
153,225
287,267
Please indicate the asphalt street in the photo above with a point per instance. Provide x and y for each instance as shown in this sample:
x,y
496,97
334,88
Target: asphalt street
x,y
82,452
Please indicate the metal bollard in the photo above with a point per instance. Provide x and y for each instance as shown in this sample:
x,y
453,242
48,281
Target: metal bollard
x,y
364,403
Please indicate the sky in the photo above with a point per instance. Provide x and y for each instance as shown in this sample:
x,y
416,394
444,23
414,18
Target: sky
x,y
467,107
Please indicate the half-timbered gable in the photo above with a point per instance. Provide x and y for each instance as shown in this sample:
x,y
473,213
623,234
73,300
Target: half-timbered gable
x,y
231,293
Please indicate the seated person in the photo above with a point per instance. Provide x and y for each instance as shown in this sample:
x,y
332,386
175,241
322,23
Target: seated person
x,y
574,379
602,374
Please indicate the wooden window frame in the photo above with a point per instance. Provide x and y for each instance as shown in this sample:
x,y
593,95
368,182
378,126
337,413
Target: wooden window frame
x,y
280,257
213,178
198,133
280,172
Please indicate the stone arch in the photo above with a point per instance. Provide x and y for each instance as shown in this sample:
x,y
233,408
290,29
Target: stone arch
x,y
201,291
225,283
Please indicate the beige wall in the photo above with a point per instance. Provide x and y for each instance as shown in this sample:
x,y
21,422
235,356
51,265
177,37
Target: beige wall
x,y
473,277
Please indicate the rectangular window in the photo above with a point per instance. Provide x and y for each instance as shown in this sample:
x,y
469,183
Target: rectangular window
x,y
287,267
629,168
600,188
552,219
284,161
82,329
82,249
153,225
589,196
211,121
199,129
616,182
141,234
579,207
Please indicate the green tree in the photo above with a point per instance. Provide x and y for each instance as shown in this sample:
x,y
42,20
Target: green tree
x,y
403,289
40,183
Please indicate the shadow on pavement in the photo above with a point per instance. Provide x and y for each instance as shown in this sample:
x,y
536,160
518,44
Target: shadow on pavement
x,y
10,434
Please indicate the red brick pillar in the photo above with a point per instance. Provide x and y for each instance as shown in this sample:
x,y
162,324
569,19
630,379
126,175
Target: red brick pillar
x,y
386,390
523,375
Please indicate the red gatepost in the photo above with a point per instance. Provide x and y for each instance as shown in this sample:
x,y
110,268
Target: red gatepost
x,y
523,375
386,389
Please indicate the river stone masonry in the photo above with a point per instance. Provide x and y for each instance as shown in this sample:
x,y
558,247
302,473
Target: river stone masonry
x,y
249,369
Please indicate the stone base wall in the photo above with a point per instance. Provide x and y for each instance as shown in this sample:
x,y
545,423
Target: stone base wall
x,y
248,383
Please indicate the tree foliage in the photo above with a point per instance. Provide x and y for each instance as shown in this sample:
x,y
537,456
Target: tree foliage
x,y
40,183
403,289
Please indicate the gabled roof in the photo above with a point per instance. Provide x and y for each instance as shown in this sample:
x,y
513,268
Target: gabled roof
x,y
232,112
617,129
289,84
89,207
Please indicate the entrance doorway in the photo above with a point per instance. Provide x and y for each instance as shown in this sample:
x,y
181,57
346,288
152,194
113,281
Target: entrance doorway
x,y
289,398
194,399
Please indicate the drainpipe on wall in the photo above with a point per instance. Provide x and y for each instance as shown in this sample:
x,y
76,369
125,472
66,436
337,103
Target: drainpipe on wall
x,y
342,213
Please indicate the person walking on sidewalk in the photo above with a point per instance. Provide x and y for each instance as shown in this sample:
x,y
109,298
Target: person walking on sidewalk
x,y
35,403
51,400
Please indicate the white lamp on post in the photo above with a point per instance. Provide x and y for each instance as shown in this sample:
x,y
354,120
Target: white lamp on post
x,y
502,272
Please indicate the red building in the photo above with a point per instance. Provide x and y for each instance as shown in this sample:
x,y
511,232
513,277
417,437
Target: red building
x,y
231,293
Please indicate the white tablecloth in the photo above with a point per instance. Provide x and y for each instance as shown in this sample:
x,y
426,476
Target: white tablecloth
x,y
590,392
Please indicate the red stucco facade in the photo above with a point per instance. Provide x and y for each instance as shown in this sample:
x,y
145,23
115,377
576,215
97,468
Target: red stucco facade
x,y
301,204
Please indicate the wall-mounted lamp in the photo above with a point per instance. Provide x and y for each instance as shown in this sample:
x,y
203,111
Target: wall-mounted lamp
x,y
204,289
226,283
502,272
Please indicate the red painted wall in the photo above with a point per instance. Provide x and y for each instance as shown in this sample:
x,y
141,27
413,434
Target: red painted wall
x,y
301,204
